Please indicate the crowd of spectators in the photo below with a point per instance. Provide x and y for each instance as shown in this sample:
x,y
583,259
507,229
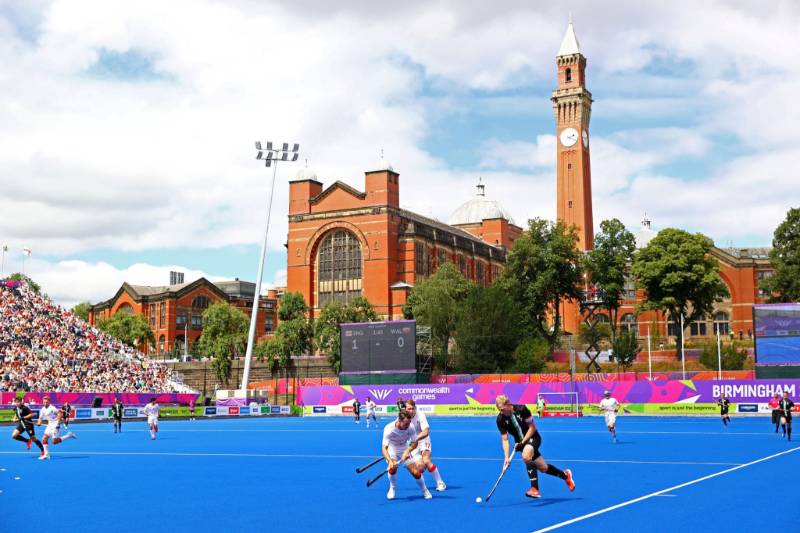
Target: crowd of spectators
x,y
44,347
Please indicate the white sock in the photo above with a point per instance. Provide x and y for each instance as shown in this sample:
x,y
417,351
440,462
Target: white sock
x,y
421,484
46,450
437,476
392,480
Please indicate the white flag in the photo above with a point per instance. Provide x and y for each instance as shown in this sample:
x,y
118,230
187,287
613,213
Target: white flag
x,y
27,251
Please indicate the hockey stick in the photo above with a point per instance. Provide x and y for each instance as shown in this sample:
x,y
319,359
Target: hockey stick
x,y
370,465
502,473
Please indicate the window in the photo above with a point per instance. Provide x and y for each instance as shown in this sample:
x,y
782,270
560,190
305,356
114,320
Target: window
x,y
479,273
673,327
197,322
629,289
462,265
419,257
269,324
125,308
162,319
628,323
200,302
162,343
180,320
152,315
601,319
179,342
568,75
339,267
698,328
722,323
761,275
441,257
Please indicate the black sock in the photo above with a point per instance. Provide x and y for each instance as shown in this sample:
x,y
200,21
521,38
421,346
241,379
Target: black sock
x,y
39,445
783,427
532,474
789,431
553,471
21,438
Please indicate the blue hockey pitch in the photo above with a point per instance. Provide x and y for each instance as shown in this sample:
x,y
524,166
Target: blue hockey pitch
x,y
298,474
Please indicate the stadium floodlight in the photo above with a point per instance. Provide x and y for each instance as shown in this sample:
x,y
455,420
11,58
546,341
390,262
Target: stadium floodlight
x,y
269,155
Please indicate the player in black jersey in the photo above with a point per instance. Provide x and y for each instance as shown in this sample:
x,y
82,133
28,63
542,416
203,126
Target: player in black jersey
x,y
724,404
66,411
785,407
24,418
357,410
116,413
518,420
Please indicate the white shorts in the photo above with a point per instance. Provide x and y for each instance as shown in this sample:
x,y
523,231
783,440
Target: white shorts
x,y
52,431
611,418
397,453
152,420
424,445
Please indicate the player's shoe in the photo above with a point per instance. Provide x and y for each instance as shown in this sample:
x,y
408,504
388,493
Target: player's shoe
x,y
44,456
28,444
390,494
70,435
427,494
569,481
441,487
533,492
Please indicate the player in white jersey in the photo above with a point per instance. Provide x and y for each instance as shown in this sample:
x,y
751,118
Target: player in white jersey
x,y
420,423
399,447
54,417
609,405
370,406
151,411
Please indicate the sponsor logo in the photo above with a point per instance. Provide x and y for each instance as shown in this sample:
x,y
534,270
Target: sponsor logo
x,y
99,413
320,409
285,410
275,409
130,412
211,410
380,394
347,408
748,408
244,410
83,413
234,410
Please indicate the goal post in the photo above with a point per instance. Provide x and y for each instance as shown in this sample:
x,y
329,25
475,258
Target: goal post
x,y
559,404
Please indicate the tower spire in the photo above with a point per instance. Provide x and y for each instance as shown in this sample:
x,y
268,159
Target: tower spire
x,y
569,44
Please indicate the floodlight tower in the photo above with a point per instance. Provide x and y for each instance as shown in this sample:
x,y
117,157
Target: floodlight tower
x,y
270,155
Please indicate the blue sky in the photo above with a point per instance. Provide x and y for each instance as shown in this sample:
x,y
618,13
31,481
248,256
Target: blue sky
x,y
127,129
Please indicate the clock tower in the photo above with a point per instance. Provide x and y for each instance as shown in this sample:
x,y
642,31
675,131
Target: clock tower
x,y
572,106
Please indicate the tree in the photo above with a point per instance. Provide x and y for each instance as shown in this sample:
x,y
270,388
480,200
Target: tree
x,y
224,337
530,356
731,357
17,276
326,326
436,302
294,334
608,264
130,329
81,311
784,284
679,276
487,330
626,348
543,270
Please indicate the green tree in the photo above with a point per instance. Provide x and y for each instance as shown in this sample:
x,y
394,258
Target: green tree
x,y
530,355
487,331
81,311
130,329
294,334
18,276
436,302
224,337
626,348
326,326
543,270
731,357
609,262
679,276
784,284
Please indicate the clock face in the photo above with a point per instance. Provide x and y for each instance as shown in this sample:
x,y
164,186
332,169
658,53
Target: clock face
x,y
569,136
585,135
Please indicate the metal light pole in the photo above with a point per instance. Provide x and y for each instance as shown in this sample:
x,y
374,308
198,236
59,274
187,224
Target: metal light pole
x,y
719,354
271,155
683,356
3,261
649,356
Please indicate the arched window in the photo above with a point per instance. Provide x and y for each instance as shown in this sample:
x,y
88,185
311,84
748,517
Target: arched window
x,y
200,302
568,75
338,267
601,318
162,344
125,308
628,323
698,328
722,323
179,341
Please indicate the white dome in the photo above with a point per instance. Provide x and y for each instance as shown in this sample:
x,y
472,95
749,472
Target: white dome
x,y
478,209
645,234
305,173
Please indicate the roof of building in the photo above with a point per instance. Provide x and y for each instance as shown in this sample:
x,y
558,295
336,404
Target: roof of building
x,y
382,164
569,45
478,209
645,233
305,173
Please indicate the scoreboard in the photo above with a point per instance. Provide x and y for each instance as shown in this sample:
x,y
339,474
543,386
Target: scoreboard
x,y
378,346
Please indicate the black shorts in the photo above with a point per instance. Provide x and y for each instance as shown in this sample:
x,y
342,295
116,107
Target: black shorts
x,y
787,416
723,412
776,416
536,442
21,428
117,419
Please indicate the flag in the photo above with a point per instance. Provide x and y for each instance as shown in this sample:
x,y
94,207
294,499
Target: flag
x,y
27,251
5,247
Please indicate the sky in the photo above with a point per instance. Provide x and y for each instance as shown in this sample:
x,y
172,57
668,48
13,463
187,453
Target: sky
x,y
127,129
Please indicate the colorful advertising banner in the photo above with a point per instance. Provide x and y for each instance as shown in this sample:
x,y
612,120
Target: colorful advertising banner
x,y
87,398
645,397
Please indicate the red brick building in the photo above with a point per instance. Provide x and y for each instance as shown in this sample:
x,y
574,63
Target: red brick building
x,y
175,311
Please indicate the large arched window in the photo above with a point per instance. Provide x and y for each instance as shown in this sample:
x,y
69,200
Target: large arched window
x,y
338,267
125,308
628,323
162,344
200,302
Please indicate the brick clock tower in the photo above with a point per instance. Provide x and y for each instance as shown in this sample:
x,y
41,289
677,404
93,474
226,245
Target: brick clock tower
x,y
572,106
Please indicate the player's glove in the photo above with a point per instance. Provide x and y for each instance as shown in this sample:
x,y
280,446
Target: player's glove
x,y
519,446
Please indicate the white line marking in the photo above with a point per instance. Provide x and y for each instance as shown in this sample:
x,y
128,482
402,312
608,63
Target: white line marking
x,y
660,492
546,431
315,456
667,495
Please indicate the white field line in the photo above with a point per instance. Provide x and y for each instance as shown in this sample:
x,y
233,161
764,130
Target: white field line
x,y
317,456
162,429
664,491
